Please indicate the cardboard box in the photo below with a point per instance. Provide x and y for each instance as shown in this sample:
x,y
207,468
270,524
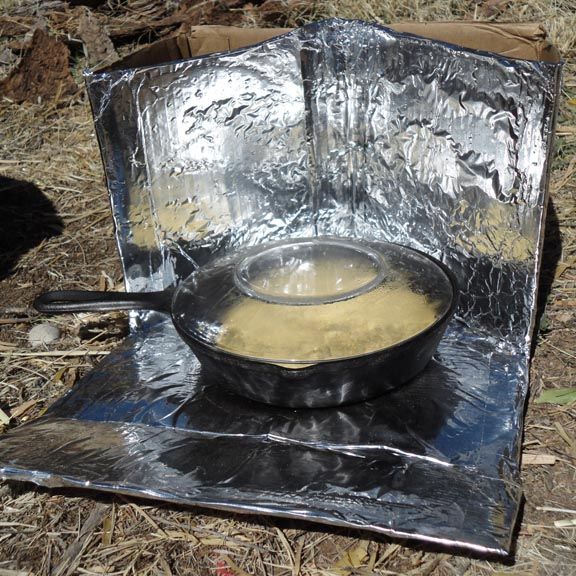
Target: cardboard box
x,y
527,41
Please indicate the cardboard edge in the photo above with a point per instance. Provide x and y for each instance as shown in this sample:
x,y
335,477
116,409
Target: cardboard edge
x,y
525,41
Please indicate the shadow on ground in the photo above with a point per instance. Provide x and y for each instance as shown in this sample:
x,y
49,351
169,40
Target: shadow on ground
x,y
551,254
27,217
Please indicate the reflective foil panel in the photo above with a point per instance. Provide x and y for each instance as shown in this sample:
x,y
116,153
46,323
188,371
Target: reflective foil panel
x,y
343,129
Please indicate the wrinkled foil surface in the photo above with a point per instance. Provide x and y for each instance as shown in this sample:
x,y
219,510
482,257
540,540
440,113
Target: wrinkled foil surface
x,y
344,129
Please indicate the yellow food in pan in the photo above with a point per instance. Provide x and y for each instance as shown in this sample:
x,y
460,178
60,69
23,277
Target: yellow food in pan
x,y
372,321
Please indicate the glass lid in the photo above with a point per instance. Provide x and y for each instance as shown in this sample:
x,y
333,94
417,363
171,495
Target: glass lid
x,y
304,301
308,271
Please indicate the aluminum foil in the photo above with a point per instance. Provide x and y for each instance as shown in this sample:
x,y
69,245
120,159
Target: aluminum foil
x,y
338,128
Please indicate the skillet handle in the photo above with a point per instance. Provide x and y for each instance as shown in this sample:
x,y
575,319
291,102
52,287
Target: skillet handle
x,y
62,301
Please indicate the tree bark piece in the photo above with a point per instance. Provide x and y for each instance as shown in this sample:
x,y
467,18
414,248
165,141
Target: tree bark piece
x,y
42,74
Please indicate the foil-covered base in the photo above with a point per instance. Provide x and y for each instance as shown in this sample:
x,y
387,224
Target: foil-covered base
x,y
433,460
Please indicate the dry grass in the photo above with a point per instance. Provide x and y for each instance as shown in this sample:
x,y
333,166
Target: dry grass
x,y
56,532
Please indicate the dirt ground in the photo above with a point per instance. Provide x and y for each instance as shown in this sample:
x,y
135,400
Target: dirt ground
x,y
56,232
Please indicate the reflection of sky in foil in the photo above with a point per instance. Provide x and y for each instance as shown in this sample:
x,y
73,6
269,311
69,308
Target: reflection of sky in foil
x,y
338,128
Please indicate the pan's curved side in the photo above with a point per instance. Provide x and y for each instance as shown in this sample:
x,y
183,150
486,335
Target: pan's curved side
x,y
324,384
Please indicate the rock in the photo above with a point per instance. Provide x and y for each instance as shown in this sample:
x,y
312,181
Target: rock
x,y
43,334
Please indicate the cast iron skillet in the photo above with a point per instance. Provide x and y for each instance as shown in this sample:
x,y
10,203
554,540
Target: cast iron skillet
x,y
326,383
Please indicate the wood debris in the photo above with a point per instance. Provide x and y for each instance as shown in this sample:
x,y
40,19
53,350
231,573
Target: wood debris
x,y
530,459
43,73
98,47
24,407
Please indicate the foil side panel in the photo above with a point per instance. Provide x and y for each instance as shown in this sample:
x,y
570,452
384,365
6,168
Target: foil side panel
x,y
114,110
438,148
214,157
